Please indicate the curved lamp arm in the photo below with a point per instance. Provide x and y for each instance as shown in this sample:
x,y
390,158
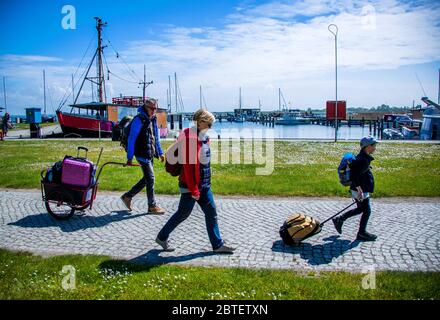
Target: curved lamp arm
x,y
333,30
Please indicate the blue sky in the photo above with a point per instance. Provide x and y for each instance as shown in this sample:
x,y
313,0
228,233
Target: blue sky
x,y
222,45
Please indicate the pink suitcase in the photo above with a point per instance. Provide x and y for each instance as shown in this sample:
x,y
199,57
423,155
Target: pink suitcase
x,y
76,172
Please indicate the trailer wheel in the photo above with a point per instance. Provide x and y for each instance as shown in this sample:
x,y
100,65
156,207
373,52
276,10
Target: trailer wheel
x,y
61,208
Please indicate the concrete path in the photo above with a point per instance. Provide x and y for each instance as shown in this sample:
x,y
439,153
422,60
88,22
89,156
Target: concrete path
x,y
408,230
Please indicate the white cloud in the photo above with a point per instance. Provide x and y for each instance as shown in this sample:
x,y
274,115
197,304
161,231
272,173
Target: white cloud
x,y
27,58
261,45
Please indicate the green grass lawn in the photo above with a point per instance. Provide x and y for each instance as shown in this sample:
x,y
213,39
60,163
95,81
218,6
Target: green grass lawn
x,y
301,168
26,276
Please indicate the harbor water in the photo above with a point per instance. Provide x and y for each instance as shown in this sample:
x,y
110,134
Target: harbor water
x,y
248,130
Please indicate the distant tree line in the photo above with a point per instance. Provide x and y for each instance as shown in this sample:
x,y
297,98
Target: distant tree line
x,y
381,108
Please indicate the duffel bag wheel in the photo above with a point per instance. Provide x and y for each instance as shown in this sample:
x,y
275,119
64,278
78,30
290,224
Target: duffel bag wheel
x,y
60,208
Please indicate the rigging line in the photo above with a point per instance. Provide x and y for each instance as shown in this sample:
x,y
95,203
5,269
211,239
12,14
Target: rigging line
x,y
120,78
77,68
131,71
421,86
83,75
108,76
106,65
204,101
74,86
182,107
114,74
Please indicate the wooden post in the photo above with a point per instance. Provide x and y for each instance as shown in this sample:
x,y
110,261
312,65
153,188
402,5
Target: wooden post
x,y
381,129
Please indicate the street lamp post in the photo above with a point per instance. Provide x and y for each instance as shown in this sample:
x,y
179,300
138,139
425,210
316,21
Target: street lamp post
x,y
334,30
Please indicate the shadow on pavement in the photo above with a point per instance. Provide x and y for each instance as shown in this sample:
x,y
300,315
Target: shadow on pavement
x,y
151,259
319,254
77,222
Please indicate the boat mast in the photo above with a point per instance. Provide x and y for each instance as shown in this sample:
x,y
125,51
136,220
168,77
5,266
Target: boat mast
x,y
169,92
239,98
101,80
4,91
175,87
44,90
279,99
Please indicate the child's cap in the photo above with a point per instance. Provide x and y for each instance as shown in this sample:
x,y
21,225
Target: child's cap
x,y
367,141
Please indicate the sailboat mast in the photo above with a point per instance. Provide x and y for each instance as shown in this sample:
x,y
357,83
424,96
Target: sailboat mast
x,y
200,97
169,92
101,80
175,88
279,99
44,90
4,92
239,98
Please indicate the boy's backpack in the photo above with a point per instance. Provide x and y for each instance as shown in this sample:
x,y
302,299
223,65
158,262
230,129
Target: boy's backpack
x,y
125,126
297,228
172,162
344,169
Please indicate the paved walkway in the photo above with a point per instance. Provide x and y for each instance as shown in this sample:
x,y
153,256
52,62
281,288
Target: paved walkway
x,y
408,232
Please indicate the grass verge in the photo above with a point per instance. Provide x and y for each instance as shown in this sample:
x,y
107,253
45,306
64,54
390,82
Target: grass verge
x,y
26,276
300,168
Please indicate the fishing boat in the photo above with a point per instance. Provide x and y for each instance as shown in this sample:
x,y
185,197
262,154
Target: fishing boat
x,y
96,118
292,117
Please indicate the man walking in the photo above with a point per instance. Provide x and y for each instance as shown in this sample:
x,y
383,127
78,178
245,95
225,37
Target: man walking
x,y
144,144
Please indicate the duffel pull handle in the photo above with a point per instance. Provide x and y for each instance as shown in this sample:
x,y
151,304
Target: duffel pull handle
x,y
82,148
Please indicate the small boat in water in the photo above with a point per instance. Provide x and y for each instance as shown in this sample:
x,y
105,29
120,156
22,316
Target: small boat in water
x,y
292,117
392,134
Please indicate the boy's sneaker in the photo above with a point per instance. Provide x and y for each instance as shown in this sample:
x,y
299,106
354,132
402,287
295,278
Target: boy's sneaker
x,y
164,244
127,201
338,224
365,236
224,249
156,210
